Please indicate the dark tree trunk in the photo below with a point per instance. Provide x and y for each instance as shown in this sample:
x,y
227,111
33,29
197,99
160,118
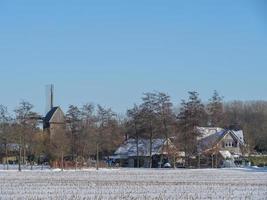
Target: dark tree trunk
x,y
20,155
6,156
166,136
97,156
150,145
137,146
62,161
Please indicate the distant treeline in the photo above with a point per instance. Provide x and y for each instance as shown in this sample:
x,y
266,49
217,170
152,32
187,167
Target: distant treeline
x,y
92,127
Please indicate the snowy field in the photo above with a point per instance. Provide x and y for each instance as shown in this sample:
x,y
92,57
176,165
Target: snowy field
x,y
133,184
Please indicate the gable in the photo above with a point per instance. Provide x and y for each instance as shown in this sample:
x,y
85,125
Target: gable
x,y
219,138
57,117
239,135
229,136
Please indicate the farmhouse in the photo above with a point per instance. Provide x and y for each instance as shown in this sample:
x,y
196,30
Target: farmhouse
x,y
216,147
221,147
126,154
8,153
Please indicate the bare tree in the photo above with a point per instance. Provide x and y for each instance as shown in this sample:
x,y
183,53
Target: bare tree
x,y
250,116
135,127
109,131
60,145
5,129
89,131
26,121
74,118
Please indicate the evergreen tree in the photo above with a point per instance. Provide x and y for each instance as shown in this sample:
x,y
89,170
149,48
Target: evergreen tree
x,y
74,129
166,117
190,116
150,119
215,110
135,127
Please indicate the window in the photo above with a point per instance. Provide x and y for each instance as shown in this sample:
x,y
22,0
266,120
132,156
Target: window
x,y
230,144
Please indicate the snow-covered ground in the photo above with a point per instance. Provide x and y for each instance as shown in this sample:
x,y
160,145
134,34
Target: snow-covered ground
x,y
134,184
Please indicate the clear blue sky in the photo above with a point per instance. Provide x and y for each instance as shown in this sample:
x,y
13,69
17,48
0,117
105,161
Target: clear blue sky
x,y
111,51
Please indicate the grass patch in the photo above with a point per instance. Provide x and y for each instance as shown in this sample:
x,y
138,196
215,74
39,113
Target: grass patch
x,y
259,161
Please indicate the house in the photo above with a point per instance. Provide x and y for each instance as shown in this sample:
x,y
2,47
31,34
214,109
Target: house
x,y
9,153
53,120
219,145
126,154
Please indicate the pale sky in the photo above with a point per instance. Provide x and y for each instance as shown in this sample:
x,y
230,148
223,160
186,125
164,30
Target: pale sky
x,y
110,52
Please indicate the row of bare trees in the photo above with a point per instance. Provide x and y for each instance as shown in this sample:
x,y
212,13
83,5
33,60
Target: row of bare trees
x,y
86,128
91,129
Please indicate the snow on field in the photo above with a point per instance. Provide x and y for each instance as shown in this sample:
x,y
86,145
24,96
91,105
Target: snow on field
x,y
134,184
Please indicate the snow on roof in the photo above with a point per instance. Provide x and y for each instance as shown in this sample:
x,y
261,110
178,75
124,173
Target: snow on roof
x,y
239,135
225,154
209,136
207,131
11,146
210,140
129,148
